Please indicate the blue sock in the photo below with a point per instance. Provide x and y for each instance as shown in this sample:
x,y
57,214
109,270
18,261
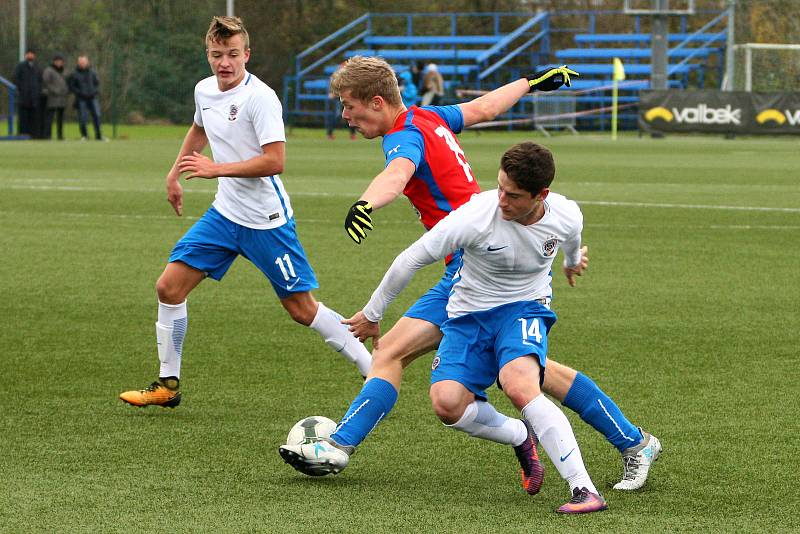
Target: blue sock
x,y
597,409
376,399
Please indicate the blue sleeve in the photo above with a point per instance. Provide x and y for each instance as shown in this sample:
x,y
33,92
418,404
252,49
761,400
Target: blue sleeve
x,y
407,143
451,115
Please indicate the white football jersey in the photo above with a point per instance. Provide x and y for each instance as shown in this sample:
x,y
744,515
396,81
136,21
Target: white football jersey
x,y
237,123
504,261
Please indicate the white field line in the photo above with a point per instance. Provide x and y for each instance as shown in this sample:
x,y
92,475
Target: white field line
x,y
409,221
344,195
684,206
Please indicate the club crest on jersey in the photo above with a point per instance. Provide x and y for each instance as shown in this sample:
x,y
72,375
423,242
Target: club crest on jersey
x,y
435,363
234,111
549,246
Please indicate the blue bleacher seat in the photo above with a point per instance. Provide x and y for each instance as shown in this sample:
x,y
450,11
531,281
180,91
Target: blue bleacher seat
x,y
626,85
643,38
628,53
421,54
431,40
606,69
445,70
318,85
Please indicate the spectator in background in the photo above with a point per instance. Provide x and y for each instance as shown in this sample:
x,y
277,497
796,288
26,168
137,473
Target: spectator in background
x,y
28,79
408,90
416,73
432,86
83,83
55,88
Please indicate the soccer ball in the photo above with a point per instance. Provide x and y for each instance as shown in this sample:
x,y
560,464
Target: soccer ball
x,y
310,429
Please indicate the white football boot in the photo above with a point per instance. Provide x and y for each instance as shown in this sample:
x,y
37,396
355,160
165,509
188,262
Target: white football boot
x,y
636,462
317,458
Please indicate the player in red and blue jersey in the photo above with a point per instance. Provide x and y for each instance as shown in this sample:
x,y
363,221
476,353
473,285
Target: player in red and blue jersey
x,y
425,162
443,179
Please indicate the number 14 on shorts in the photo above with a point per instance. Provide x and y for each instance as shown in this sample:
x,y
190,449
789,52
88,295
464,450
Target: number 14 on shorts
x,y
531,330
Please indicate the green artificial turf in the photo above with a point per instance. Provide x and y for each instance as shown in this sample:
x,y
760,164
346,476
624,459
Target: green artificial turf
x,y
687,317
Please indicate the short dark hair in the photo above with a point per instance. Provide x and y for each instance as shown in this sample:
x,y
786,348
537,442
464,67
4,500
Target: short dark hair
x,y
530,166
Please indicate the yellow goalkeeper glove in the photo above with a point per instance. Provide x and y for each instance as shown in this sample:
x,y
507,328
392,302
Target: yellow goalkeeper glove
x,y
550,79
358,221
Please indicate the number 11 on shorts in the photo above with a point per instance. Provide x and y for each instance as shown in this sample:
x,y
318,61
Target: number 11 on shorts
x,y
286,266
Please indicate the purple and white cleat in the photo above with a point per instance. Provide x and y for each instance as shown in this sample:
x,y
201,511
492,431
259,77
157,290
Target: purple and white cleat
x,y
532,469
583,501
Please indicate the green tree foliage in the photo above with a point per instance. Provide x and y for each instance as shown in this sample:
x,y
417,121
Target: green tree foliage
x,y
150,53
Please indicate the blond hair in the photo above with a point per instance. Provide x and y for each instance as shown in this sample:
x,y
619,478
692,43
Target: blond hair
x,y
223,28
365,78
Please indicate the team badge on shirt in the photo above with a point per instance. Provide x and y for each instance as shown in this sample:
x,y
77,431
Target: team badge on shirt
x,y
435,363
549,246
234,111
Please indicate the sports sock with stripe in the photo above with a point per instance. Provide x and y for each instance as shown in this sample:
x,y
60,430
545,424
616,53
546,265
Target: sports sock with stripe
x,y
376,399
555,434
602,413
171,327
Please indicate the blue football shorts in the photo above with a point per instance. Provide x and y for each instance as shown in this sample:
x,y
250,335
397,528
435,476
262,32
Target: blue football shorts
x,y
477,345
213,242
432,306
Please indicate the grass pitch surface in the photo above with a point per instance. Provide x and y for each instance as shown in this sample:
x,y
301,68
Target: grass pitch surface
x,y
688,318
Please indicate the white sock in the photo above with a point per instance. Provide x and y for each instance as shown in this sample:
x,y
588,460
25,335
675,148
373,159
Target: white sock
x,y
329,325
482,420
170,331
555,434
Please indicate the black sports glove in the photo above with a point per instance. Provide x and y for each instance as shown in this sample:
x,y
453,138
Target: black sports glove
x,y
550,79
358,221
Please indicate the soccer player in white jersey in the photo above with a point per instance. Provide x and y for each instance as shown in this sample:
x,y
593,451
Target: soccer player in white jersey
x,y
240,117
498,311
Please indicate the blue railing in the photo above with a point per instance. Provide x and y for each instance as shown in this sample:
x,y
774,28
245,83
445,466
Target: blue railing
x,y
12,91
542,18
716,20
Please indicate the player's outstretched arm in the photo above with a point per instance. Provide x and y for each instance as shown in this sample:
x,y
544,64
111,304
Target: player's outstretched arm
x,y
383,189
494,103
194,141
488,106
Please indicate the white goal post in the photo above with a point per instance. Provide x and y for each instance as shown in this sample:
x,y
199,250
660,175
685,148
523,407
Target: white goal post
x,y
787,66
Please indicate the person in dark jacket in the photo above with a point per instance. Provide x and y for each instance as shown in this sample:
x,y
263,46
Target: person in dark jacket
x,y
83,83
56,90
28,79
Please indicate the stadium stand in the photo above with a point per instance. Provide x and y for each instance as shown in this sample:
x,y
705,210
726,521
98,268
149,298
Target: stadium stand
x,y
7,111
516,44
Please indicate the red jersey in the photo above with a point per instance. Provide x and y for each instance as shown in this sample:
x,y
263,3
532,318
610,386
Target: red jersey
x,y
443,179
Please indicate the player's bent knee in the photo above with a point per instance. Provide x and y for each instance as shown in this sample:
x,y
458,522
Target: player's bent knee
x,y
520,393
168,292
447,404
301,309
300,316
